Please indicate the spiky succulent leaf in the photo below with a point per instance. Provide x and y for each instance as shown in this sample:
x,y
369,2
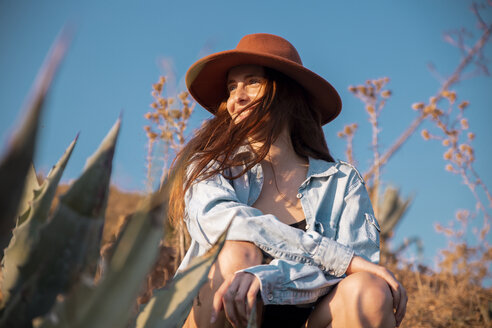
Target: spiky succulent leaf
x,y
69,243
109,303
94,179
26,234
31,184
397,215
88,195
170,306
14,166
388,204
392,209
54,265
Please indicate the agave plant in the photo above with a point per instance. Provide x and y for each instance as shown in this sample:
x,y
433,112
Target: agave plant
x,y
50,263
46,255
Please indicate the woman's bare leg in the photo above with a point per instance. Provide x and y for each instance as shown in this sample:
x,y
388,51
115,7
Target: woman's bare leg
x,y
359,300
235,255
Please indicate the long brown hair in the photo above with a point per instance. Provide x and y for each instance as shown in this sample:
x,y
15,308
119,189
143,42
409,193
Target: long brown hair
x,y
284,104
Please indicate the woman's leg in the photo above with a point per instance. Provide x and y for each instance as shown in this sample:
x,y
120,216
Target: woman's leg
x,y
235,255
359,300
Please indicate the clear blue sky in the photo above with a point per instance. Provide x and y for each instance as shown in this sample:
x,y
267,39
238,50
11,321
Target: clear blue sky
x,y
119,46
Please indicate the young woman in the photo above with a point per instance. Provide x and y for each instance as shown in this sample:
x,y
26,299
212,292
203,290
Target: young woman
x,y
304,242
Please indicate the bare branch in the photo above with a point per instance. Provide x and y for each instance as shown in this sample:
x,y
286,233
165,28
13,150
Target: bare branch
x,y
454,78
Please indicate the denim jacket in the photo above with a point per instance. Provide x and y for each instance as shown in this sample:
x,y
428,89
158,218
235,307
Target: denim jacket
x,y
340,223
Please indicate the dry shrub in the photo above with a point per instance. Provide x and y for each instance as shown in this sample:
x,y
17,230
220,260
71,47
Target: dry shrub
x,y
120,204
455,295
443,299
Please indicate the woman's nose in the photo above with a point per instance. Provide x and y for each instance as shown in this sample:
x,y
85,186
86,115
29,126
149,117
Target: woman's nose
x,y
241,94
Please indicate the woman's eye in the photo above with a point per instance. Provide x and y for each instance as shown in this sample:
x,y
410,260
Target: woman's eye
x,y
231,87
254,81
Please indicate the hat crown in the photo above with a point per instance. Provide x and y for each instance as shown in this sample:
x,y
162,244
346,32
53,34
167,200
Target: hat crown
x,y
269,44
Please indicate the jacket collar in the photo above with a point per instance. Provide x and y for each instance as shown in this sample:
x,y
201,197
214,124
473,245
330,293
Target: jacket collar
x,y
320,168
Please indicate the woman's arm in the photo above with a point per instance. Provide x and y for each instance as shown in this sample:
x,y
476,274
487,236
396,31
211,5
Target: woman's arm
x,y
288,282
280,282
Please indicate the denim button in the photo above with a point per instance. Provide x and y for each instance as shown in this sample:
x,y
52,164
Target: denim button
x,y
299,195
270,296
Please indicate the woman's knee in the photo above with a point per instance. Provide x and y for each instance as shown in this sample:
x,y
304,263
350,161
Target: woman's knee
x,y
238,255
370,293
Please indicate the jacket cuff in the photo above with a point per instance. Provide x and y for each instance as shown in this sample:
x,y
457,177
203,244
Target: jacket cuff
x,y
268,276
335,257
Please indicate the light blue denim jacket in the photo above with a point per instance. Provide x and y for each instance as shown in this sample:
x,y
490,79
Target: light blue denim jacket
x,y
340,223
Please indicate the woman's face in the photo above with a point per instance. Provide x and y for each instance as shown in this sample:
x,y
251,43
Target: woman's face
x,y
245,84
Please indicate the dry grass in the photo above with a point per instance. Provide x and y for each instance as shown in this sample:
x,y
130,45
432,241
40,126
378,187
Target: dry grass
x,y
444,299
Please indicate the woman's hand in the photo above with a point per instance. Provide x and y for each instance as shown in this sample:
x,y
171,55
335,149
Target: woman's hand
x,y
237,295
399,293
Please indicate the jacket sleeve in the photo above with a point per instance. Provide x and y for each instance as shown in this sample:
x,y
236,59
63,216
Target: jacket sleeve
x,y
358,227
288,282
212,203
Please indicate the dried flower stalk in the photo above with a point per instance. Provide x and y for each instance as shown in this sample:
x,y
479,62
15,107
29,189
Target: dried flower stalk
x,y
374,97
167,126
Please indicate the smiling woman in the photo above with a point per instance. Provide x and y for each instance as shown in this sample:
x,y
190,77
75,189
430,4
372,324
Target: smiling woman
x,y
304,243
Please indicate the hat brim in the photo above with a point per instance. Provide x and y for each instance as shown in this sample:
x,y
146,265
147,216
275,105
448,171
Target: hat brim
x,y
206,80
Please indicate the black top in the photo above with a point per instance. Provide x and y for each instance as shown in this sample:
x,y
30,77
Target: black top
x,y
285,316
299,225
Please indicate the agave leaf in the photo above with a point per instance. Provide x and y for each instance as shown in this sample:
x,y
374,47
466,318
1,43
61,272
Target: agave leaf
x,y
170,306
388,204
88,195
14,166
69,243
392,209
26,235
94,179
51,266
398,213
109,303
28,194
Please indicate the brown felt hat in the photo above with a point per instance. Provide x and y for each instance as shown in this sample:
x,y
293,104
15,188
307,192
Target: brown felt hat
x,y
206,79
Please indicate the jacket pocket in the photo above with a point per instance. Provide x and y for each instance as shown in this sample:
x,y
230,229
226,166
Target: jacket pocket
x,y
372,228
